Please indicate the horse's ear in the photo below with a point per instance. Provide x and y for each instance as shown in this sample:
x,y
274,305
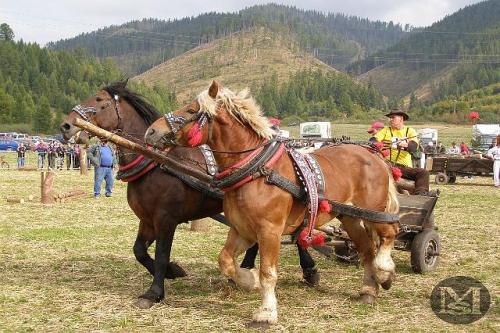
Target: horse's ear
x,y
123,84
214,89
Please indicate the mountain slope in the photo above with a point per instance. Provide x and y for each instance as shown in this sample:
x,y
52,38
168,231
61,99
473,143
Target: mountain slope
x,y
241,60
469,36
336,39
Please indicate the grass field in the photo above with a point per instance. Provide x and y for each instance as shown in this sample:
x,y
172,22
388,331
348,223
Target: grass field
x,y
70,267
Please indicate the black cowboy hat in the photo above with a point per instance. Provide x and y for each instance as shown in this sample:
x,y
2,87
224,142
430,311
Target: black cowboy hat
x,y
398,112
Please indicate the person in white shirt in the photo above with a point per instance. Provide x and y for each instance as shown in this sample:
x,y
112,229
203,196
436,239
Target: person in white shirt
x,y
494,153
454,149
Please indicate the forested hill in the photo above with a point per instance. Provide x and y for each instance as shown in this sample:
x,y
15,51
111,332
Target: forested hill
x,y
468,40
336,39
39,86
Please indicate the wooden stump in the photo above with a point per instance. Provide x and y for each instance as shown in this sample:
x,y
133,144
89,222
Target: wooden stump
x,y
200,225
47,187
83,161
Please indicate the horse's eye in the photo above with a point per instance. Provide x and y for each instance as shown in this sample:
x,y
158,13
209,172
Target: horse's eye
x,y
191,111
98,99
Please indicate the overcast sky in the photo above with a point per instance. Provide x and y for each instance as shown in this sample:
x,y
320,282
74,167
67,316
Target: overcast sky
x,y
43,21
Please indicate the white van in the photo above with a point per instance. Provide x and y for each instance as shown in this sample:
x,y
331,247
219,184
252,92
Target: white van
x,y
316,129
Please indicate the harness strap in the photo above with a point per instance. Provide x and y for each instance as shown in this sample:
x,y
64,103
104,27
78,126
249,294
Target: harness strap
x,y
248,172
299,193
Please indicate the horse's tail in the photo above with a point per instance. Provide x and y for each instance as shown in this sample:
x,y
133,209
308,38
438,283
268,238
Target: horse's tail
x,y
392,199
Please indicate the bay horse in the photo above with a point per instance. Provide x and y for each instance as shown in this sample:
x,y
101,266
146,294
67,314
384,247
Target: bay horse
x,y
262,212
160,200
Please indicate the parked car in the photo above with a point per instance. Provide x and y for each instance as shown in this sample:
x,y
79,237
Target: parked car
x,y
8,145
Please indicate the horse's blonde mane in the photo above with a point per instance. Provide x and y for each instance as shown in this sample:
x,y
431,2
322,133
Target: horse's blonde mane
x,y
241,106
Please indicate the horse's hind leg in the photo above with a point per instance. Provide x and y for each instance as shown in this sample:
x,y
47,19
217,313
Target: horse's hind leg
x,y
235,245
383,235
366,249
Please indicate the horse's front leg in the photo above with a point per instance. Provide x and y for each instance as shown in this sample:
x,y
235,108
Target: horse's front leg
x,y
156,292
235,245
269,244
145,237
309,270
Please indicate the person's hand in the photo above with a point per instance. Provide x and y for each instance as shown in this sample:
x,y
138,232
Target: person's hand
x,y
403,144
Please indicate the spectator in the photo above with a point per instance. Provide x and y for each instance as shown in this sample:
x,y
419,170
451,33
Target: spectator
x,y
403,140
464,150
440,149
494,154
69,152
76,159
103,158
41,149
21,155
59,156
454,149
430,149
374,129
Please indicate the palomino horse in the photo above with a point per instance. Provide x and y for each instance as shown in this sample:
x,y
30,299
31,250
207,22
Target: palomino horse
x,y
261,212
160,200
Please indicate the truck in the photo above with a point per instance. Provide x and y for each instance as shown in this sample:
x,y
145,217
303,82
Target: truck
x,y
427,135
483,135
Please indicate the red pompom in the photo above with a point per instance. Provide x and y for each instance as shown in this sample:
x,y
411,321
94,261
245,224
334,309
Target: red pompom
x,y
396,173
474,115
324,206
194,135
318,239
379,145
386,152
303,239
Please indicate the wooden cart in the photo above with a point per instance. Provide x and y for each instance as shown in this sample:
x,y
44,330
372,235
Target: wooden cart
x,y
448,167
418,235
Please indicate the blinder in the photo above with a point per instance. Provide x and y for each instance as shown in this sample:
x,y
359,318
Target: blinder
x,y
177,123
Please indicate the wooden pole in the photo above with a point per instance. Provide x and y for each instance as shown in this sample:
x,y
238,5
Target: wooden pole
x,y
83,161
154,154
47,188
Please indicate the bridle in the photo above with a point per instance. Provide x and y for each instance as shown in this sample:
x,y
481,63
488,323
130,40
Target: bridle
x,y
89,112
177,123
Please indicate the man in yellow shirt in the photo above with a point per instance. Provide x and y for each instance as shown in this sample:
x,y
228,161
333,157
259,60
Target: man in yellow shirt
x,y
401,140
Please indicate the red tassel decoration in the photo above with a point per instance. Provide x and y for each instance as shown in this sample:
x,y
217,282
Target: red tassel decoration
x,y
396,173
324,206
385,152
194,135
319,239
303,240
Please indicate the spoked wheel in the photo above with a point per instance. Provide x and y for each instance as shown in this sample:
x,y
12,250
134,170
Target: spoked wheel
x,y
346,253
425,250
441,178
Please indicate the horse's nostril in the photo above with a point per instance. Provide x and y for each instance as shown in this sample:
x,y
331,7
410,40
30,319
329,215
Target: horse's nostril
x,y
151,132
65,127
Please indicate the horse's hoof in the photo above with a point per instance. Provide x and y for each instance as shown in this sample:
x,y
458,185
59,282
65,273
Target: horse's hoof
x,y
367,299
143,303
265,316
174,271
387,284
311,276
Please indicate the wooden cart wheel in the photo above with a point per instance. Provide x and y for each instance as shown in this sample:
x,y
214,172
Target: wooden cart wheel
x,y
346,253
441,178
425,250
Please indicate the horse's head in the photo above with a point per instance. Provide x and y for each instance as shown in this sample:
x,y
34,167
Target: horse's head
x,y
101,110
184,126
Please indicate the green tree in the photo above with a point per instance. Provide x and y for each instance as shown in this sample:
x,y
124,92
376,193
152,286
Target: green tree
x,y
42,119
6,32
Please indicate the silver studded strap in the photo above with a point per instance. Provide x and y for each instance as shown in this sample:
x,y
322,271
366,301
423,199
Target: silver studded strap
x,y
210,160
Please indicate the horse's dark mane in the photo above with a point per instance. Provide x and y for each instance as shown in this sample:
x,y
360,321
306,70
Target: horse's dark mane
x,y
137,101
